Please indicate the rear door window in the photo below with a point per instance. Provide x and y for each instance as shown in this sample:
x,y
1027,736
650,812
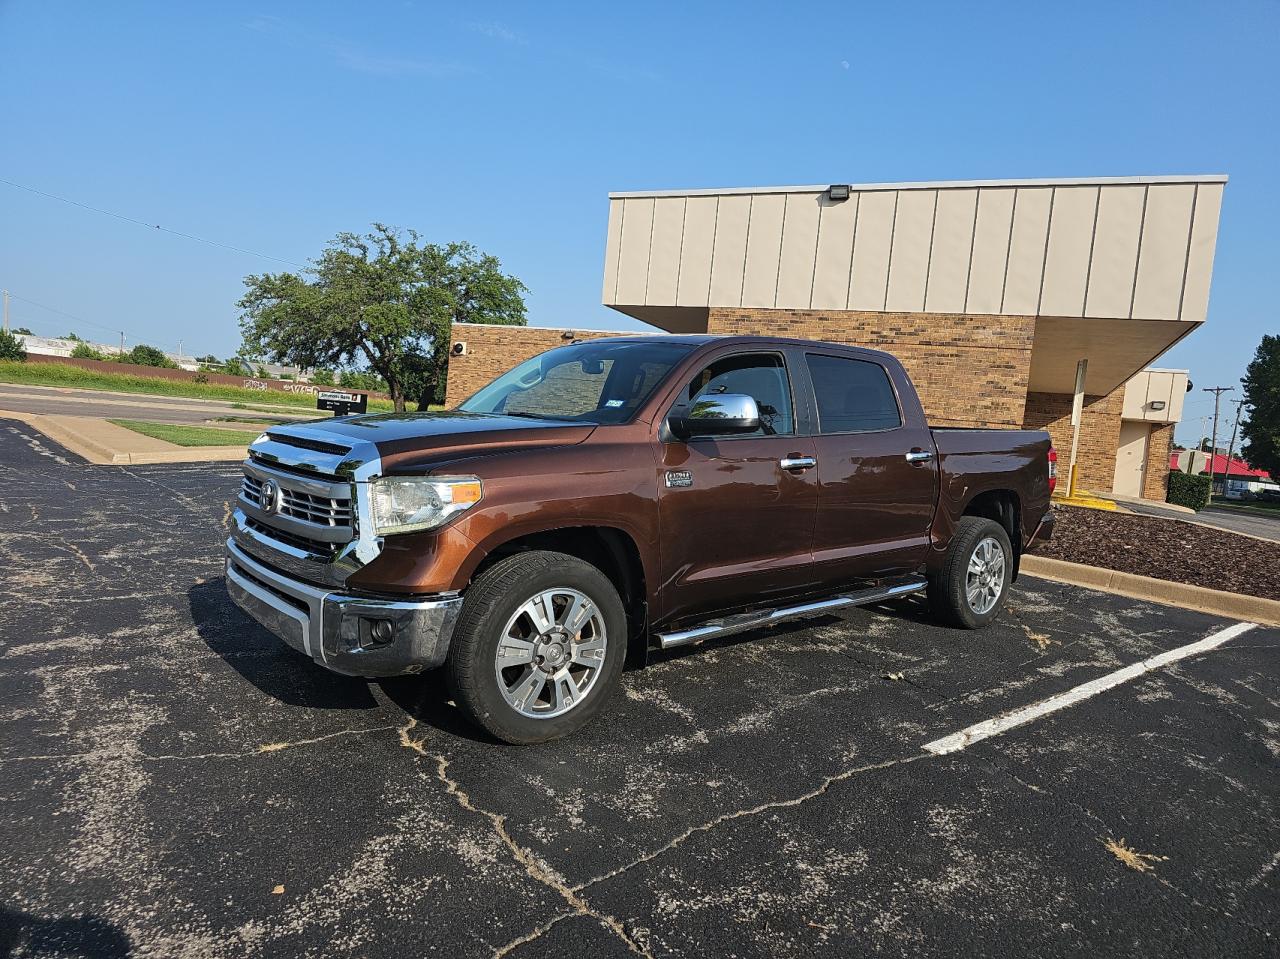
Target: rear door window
x,y
853,396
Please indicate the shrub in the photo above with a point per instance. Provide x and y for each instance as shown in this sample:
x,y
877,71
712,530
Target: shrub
x,y
1188,490
322,377
84,351
11,348
200,378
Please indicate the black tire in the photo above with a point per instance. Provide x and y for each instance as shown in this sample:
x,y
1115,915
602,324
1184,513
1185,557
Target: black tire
x,y
489,604
947,594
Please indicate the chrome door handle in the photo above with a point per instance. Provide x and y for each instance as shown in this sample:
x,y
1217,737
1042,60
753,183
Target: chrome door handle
x,y
797,462
919,456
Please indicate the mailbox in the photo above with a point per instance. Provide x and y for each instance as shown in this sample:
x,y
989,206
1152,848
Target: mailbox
x,y
342,403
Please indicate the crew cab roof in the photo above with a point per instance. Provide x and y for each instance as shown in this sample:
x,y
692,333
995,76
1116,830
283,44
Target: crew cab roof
x,y
703,339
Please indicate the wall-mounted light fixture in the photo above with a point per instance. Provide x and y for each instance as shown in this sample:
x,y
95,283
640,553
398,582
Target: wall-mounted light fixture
x,y
838,192
1157,405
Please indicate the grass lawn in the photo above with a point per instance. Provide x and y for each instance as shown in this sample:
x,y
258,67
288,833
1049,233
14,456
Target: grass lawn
x,y
75,377
1254,506
189,435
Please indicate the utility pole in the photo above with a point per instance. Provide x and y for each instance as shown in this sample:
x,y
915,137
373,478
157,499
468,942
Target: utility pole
x,y
1232,445
1217,392
122,342
6,311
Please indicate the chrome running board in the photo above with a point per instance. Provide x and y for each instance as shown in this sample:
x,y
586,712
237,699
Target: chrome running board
x,y
767,617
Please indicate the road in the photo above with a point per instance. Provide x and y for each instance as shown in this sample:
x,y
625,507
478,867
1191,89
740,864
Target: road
x,y
1253,524
176,782
74,402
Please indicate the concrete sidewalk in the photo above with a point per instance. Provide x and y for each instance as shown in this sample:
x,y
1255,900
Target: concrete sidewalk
x,y
104,443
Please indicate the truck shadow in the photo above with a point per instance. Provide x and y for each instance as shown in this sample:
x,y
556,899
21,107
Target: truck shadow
x,y
22,934
290,677
266,662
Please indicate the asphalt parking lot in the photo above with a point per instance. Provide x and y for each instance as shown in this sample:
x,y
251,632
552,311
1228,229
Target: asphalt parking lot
x,y
175,782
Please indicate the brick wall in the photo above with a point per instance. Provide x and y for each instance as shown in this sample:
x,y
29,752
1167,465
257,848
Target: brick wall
x,y
492,350
1099,434
969,371
1155,482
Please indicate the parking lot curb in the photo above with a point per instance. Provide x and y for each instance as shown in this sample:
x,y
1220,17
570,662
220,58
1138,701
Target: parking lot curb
x,y
67,431
1219,602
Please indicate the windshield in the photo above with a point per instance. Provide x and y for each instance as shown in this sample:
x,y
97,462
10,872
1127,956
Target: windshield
x,y
594,382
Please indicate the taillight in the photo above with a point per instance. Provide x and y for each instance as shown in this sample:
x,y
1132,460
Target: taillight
x,y
1053,469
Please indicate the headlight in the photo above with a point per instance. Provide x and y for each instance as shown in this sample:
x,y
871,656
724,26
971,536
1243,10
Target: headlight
x,y
404,503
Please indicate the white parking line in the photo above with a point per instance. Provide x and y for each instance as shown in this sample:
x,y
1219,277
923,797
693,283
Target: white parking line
x,y
994,727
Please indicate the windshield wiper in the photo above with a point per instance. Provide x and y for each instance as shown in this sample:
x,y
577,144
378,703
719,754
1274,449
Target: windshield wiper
x,y
540,416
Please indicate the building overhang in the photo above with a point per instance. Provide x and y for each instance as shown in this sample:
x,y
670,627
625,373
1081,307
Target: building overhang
x,y
1112,269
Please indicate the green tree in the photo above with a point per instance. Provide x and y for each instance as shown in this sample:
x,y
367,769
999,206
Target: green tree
x,y
235,367
72,336
322,377
385,300
1261,432
11,347
143,355
208,359
22,331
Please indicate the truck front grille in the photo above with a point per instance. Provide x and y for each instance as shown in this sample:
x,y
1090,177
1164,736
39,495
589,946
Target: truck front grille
x,y
304,543
313,512
298,504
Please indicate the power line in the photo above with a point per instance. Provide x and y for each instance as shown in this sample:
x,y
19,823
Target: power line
x,y
150,226
81,319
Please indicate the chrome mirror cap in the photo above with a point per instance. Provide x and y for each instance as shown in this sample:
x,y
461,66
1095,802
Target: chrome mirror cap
x,y
716,413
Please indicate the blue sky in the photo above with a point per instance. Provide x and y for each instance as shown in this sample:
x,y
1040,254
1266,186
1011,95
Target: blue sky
x,y
271,127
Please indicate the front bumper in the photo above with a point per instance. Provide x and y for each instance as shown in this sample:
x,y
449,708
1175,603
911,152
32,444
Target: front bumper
x,y
336,629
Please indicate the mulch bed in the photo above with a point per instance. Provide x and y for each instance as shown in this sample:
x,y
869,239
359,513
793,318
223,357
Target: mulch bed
x,y
1166,549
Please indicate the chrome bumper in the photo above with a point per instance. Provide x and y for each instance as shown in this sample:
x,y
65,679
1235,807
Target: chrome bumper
x,y
335,629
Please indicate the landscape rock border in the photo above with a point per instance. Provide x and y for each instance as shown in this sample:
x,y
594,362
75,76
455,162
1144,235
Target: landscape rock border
x,y
1252,609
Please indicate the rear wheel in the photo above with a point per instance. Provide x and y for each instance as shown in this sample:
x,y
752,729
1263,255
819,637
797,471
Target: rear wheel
x,y
538,648
971,586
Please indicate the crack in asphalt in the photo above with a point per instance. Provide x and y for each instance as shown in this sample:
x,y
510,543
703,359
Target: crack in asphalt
x,y
718,821
1104,834
264,749
822,788
61,544
536,869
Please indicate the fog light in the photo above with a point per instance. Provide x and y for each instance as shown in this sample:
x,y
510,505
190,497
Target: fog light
x,y
381,632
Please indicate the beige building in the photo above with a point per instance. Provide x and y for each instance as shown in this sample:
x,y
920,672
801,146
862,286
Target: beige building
x,y
990,292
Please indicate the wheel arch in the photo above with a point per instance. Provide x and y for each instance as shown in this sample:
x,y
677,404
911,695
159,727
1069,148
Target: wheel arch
x,y
1005,507
611,549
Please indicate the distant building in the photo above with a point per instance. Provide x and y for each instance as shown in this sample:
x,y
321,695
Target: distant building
x,y
1236,480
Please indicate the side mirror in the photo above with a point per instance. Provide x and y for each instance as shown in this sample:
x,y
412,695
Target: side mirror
x,y
715,414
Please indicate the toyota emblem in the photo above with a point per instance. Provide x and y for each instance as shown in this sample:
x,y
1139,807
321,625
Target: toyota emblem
x,y
269,497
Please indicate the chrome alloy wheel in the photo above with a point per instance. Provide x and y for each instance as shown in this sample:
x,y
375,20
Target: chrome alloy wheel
x,y
985,578
551,653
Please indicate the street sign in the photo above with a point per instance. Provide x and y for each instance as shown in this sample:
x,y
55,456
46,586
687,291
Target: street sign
x,y
342,403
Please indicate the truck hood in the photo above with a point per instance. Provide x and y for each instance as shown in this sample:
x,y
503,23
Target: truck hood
x,y
412,442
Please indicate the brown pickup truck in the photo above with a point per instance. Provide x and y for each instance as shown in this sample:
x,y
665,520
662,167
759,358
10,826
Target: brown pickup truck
x,y
616,495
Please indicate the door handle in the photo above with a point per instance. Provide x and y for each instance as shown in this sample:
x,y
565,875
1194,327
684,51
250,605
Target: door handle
x,y
797,462
919,456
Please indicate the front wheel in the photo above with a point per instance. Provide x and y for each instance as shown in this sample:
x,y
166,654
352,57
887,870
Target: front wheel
x,y
538,648
974,579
